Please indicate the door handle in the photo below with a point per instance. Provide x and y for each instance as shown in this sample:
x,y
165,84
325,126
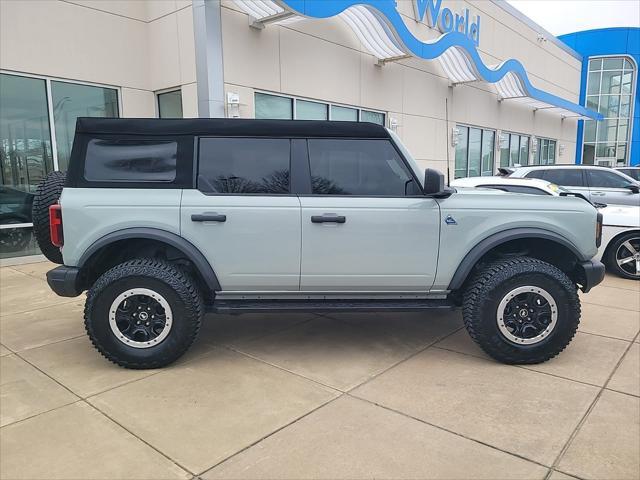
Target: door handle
x,y
328,219
208,217
598,194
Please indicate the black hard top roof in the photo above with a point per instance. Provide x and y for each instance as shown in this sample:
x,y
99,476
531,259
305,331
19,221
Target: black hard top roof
x,y
229,127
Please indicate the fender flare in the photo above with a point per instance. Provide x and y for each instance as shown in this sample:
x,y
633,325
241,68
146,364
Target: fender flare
x,y
187,248
477,252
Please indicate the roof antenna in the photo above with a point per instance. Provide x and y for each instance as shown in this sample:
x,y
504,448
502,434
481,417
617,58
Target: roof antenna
x,y
446,136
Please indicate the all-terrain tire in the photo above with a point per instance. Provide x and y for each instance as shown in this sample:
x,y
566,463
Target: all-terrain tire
x,y
47,194
167,281
610,259
493,283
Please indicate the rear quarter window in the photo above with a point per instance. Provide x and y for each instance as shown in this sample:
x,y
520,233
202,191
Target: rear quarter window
x,y
110,160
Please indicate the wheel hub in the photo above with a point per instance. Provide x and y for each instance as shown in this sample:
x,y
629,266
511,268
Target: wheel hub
x,y
628,257
527,315
140,318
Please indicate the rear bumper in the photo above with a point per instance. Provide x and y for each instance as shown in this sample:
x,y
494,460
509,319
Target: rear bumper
x,y
65,281
591,273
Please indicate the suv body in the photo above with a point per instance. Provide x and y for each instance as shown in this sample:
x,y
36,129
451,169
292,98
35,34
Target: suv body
x,y
290,216
598,184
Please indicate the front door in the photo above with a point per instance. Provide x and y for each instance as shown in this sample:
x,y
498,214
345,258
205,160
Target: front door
x,y
366,226
607,186
242,217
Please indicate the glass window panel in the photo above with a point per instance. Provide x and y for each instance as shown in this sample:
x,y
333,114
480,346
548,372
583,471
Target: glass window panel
x,y
524,151
504,149
612,63
571,177
593,83
551,158
607,130
273,107
131,161
475,147
170,104
71,101
488,143
590,131
626,82
623,128
611,82
311,110
621,153
25,158
358,167
601,178
373,117
605,150
514,149
610,106
244,165
344,114
595,64
628,65
625,106
588,153
461,152
592,102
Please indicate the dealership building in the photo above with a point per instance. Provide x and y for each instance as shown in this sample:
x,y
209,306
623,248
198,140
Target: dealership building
x,y
472,83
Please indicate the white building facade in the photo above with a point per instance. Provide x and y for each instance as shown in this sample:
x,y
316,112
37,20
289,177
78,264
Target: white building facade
x,y
263,59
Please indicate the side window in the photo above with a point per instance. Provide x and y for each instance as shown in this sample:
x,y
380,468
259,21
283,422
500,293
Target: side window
x,y
570,177
130,161
244,165
537,174
604,179
358,167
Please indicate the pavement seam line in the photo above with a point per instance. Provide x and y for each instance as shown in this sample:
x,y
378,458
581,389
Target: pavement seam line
x,y
445,429
591,407
295,420
57,304
40,413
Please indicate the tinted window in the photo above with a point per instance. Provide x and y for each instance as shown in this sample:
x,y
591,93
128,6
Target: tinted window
x,y
632,172
537,174
131,161
244,165
605,179
517,189
358,167
571,177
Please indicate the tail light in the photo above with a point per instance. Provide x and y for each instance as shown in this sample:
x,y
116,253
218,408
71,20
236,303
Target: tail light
x,y
55,225
599,230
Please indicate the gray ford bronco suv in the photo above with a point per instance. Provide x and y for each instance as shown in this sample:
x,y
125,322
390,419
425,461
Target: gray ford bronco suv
x,y
164,220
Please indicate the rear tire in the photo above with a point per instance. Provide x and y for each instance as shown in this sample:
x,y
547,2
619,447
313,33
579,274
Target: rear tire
x,y
521,310
143,313
47,194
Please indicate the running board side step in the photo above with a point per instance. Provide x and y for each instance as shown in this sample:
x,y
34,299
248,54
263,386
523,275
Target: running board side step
x,y
317,306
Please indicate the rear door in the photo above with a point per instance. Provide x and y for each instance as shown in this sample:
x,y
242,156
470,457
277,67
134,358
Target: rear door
x,y
607,186
366,225
242,215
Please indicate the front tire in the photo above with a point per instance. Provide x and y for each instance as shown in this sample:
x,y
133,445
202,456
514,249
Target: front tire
x,y
143,313
521,310
623,256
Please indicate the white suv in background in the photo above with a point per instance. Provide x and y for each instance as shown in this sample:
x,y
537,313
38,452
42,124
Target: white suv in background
x,y
598,184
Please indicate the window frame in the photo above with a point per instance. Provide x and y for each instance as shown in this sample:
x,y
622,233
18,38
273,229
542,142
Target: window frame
x,y
538,154
294,110
482,134
292,180
163,92
510,135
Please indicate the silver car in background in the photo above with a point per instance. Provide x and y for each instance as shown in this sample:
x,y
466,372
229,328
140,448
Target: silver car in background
x,y
598,184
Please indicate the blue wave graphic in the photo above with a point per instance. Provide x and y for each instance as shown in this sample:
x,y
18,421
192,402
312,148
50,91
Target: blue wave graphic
x,y
432,50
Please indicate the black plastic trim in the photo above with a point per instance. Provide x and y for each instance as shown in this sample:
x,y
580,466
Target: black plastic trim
x,y
592,274
65,281
192,253
499,238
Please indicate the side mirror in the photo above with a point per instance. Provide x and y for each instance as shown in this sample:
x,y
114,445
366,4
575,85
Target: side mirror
x,y
633,188
433,182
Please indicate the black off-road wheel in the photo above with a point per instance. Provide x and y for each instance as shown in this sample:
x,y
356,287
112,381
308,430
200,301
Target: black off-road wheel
x,y
143,313
521,310
623,256
47,194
